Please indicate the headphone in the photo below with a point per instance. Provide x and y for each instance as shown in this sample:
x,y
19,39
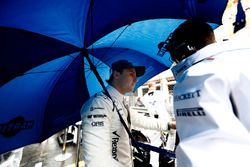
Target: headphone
x,y
177,50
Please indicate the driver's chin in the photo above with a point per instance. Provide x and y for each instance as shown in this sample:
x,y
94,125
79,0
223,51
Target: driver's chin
x,y
131,88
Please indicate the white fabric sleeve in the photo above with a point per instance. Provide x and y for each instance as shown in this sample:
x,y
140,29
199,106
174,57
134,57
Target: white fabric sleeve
x,y
140,121
245,4
96,122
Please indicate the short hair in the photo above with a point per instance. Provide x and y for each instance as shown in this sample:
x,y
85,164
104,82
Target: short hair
x,y
193,33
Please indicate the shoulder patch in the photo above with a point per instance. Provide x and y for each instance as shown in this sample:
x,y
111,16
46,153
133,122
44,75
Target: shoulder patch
x,y
105,97
96,108
101,94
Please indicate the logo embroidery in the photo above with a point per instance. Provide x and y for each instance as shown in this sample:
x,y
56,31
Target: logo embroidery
x,y
97,116
97,124
115,140
14,126
187,96
190,112
96,108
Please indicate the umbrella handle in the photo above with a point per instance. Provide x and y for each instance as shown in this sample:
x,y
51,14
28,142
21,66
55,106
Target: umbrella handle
x,y
64,140
78,144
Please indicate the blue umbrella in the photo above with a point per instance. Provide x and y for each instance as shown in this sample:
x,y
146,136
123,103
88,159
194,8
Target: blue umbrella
x,y
44,75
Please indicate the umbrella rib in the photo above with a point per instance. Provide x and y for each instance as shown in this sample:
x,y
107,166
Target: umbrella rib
x,y
92,35
112,44
67,68
91,20
99,66
108,48
121,51
28,73
90,14
99,62
90,71
17,73
87,67
65,80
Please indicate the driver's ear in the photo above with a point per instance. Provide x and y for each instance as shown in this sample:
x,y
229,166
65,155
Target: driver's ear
x,y
116,74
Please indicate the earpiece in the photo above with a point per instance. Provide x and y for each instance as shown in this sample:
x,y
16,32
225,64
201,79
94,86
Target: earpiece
x,y
181,51
191,48
177,50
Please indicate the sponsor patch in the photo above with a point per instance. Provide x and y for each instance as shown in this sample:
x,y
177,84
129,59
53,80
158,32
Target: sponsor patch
x,y
96,108
187,96
97,124
15,125
190,112
115,133
115,140
97,116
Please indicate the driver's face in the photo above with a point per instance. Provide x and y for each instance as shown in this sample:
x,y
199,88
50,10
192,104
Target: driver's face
x,y
127,80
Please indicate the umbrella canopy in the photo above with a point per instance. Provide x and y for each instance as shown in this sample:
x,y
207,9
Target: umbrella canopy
x,y
44,75
106,16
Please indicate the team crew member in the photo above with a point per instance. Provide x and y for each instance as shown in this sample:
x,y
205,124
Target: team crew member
x,y
156,103
105,140
211,97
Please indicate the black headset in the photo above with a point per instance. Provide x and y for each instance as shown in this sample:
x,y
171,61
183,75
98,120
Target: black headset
x,y
177,50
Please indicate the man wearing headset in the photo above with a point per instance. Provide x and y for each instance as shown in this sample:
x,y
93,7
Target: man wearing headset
x,y
211,97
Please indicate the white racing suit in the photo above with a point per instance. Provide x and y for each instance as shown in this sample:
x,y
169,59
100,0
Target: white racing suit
x,y
212,106
105,140
155,102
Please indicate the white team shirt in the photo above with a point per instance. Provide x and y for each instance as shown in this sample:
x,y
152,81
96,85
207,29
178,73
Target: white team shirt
x,y
213,86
